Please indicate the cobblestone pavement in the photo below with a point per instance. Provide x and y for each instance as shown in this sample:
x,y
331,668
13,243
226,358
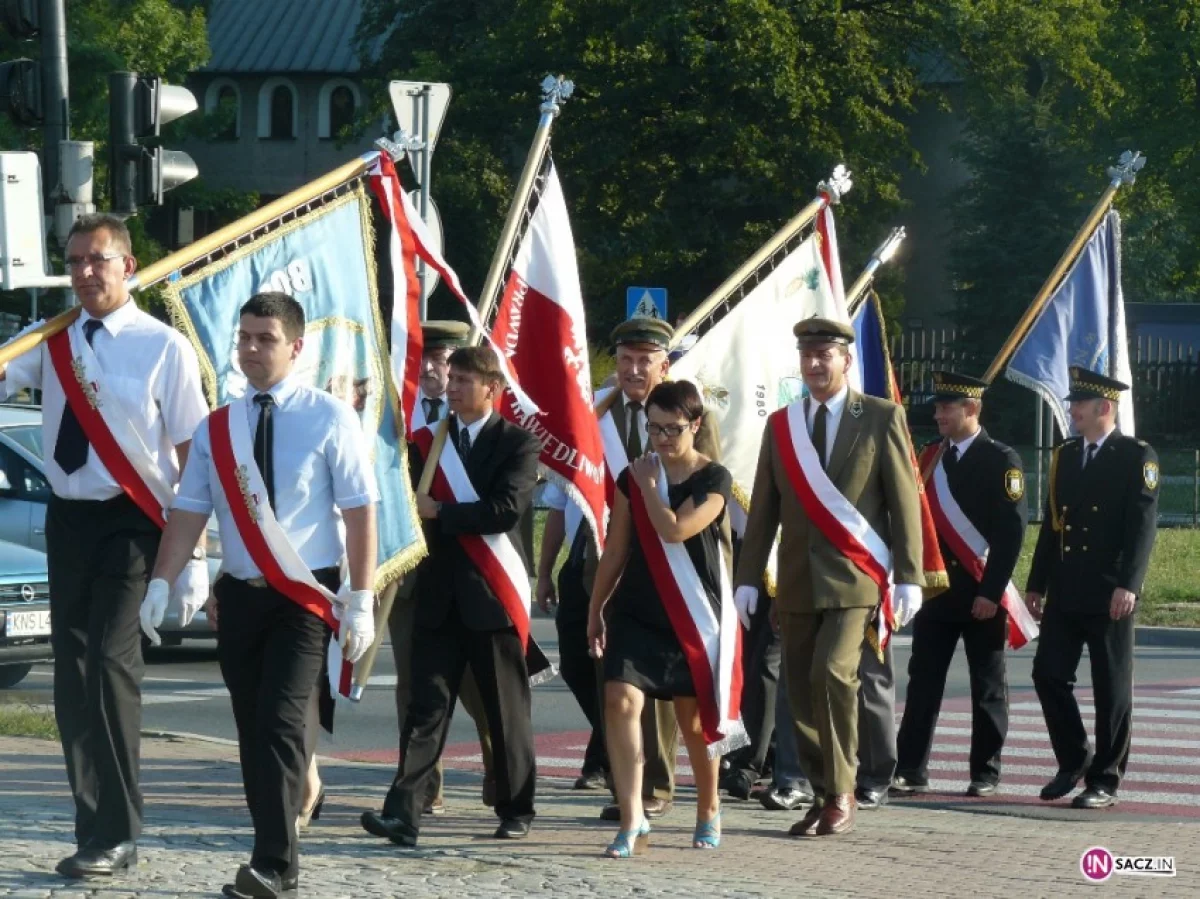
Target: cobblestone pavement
x,y
197,832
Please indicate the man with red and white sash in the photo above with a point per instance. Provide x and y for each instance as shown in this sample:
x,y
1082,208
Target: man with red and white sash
x,y
976,491
121,397
835,474
286,469
472,601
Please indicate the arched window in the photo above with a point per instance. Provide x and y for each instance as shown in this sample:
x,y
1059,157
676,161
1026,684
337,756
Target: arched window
x,y
337,104
341,110
283,123
223,102
277,109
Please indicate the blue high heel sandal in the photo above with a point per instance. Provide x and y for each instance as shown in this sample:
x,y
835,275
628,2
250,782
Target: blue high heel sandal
x,y
630,842
706,835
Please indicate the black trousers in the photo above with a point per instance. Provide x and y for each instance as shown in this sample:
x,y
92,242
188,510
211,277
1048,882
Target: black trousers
x,y
100,555
1110,646
934,642
761,656
439,658
271,652
577,667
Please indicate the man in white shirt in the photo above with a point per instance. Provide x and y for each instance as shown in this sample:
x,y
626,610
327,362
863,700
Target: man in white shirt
x,y
100,542
311,454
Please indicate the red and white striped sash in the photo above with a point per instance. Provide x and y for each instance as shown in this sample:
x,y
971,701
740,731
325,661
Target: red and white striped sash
x,y
493,554
265,541
712,644
615,460
971,550
829,510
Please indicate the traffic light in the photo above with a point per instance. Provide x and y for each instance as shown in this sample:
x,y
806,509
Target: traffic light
x,y
138,107
21,91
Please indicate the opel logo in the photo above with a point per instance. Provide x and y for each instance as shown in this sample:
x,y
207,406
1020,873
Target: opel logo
x,y
27,592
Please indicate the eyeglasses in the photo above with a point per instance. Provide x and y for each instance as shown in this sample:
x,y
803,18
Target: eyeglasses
x,y
671,431
94,260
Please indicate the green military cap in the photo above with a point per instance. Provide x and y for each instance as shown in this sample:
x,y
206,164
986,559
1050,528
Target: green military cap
x,y
445,334
949,386
1091,385
639,329
823,330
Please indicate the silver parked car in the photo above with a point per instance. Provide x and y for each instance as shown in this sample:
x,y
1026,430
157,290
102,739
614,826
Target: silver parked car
x,y
24,493
24,612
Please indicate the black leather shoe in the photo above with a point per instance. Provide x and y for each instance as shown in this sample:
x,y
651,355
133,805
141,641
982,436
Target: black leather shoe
x,y
512,829
1094,797
906,786
1064,782
982,788
251,883
868,798
99,860
784,800
739,784
399,832
590,780
610,812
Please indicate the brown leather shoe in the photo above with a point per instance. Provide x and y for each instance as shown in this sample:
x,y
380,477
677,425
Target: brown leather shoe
x,y
837,816
655,807
807,826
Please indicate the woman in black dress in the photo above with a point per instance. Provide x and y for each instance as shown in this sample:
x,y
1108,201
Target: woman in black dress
x,y
631,627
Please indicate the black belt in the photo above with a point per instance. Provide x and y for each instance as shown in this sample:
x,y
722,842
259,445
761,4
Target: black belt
x,y
319,575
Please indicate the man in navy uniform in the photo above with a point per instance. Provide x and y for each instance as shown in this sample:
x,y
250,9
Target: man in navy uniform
x,y
986,481
1092,555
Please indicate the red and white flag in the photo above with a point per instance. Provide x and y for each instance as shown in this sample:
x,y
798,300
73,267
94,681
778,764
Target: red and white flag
x,y
409,241
540,329
829,253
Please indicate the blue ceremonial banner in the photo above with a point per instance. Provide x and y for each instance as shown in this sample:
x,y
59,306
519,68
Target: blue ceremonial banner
x,y
1082,324
324,258
873,359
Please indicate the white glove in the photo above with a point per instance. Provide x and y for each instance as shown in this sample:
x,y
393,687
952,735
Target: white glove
x,y
745,599
190,592
154,607
906,602
358,625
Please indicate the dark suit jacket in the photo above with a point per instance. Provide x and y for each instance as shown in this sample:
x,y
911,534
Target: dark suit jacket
x,y
502,467
989,486
1108,514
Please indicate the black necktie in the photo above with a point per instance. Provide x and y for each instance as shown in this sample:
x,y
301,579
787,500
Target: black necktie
x,y
264,444
633,445
1091,454
464,441
951,458
818,432
71,445
433,409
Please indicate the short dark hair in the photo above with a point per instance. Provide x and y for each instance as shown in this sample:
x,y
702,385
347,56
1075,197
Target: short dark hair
x,y
680,397
103,221
479,360
274,304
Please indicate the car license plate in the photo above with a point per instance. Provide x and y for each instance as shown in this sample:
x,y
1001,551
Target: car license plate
x,y
28,624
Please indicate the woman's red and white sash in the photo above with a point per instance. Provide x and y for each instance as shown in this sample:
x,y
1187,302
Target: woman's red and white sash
x,y
971,550
108,427
265,541
711,644
829,510
493,554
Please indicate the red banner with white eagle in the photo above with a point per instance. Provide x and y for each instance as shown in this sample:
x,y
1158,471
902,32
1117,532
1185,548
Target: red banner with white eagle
x,y
540,329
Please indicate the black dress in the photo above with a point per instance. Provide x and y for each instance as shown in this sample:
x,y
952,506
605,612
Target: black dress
x,y
641,648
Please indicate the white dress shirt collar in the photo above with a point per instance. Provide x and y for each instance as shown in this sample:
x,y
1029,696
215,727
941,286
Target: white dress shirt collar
x,y
833,405
964,445
281,391
475,427
1099,442
115,320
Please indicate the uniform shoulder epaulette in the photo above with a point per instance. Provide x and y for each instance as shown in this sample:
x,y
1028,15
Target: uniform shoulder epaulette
x,y
1142,443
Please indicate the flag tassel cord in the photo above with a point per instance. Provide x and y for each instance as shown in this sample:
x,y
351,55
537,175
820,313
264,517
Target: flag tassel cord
x,y
555,90
1122,173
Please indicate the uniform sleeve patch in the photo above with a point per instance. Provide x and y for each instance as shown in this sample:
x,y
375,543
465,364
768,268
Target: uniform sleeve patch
x,y
1150,475
1014,484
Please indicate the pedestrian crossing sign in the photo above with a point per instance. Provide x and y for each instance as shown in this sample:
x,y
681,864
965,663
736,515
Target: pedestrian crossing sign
x,y
646,302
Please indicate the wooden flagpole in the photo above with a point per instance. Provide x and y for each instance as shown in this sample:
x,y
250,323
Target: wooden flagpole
x,y
1124,172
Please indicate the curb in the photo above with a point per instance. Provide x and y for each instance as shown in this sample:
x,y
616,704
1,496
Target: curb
x,y
1181,637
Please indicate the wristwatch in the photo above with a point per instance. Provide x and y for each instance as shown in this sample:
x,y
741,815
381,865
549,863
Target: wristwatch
x,y
198,554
